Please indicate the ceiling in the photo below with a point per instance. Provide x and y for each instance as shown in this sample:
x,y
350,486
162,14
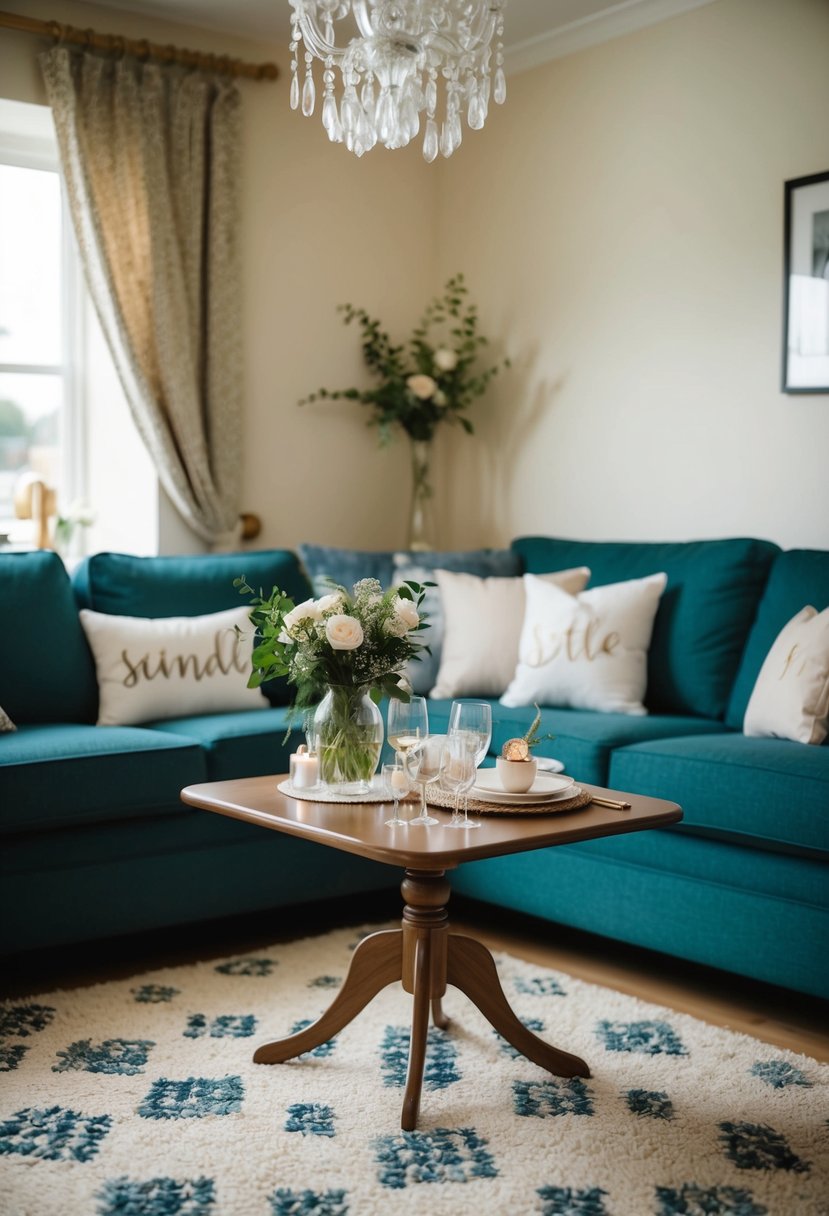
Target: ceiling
x,y
535,30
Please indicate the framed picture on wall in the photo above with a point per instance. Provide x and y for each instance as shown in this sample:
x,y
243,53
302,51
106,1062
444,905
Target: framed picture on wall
x,y
806,285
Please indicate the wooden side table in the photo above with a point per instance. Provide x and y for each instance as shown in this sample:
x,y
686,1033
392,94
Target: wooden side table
x,y
422,954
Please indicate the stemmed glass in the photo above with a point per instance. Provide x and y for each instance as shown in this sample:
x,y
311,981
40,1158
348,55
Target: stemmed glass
x,y
457,774
396,784
408,723
422,763
472,720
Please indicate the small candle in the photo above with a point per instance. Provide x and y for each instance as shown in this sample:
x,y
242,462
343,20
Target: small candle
x,y
305,770
399,781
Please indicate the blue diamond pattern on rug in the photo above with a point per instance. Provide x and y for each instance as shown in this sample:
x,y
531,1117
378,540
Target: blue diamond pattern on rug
x,y
564,1201
542,1098
320,1052
507,1048
539,985
247,966
23,1020
650,1103
285,1202
644,1038
225,1026
193,1098
325,981
10,1055
53,1134
441,1056
154,994
693,1200
756,1146
123,1056
441,1155
157,1197
779,1074
311,1119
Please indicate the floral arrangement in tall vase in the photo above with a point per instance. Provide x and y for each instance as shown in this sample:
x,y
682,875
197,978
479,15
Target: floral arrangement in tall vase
x,y
422,383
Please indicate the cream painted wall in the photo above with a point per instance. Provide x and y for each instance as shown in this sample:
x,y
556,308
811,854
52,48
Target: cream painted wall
x,y
318,228
620,219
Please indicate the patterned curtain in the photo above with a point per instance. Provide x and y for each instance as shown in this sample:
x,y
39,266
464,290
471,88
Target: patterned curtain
x,y
149,156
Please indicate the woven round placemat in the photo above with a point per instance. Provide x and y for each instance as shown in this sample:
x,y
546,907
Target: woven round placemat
x,y
555,806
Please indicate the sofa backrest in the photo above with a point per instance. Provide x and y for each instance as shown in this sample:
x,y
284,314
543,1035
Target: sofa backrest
x,y
121,584
797,578
704,616
46,669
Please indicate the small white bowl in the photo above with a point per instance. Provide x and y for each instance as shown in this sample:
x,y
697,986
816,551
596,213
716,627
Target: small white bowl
x,y
516,776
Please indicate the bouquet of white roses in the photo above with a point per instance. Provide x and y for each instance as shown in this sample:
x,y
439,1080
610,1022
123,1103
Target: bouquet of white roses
x,y
344,645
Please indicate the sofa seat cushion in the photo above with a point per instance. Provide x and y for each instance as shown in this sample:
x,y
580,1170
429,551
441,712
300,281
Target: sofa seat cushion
x,y
46,669
704,615
762,793
584,738
57,776
238,744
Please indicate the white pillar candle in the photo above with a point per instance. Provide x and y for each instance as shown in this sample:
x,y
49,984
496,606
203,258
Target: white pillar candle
x,y
305,770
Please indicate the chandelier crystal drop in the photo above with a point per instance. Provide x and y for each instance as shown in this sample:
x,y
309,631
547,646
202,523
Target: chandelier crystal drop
x,y
391,62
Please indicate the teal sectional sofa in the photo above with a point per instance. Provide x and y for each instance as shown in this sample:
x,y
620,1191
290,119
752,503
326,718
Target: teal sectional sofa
x,y
96,841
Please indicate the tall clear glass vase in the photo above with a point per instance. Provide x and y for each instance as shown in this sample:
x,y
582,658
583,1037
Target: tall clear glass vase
x,y
422,514
349,731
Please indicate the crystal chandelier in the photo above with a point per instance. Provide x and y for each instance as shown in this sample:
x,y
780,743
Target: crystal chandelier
x,y
390,61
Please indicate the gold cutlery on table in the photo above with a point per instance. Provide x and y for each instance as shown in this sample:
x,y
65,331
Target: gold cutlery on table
x,y
616,806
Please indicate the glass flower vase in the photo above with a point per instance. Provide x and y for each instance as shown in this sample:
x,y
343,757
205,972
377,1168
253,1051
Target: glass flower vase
x,y
349,731
422,516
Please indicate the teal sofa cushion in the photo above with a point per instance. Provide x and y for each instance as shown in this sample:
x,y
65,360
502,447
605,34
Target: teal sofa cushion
x,y
55,776
766,793
704,615
348,566
798,577
46,669
194,585
238,744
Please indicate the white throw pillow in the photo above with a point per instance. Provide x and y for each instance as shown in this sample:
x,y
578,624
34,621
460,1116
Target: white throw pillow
x,y
6,723
588,651
790,699
482,628
170,666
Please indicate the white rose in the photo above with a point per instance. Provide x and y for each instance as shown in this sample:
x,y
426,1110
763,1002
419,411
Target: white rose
x,y
446,360
407,612
344,632
422,386
326,602
306,611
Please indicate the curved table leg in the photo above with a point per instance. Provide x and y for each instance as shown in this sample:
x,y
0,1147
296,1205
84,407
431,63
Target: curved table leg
x,y
376,962
420,1030
440,1019
471,968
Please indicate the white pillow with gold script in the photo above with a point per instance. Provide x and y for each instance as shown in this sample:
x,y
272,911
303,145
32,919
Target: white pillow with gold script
x,y
170,666
482,620
791,694
586,651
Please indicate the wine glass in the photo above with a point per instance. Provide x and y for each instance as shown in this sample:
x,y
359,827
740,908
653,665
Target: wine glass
x,y
457,775
422,761
408,722
396,784
472,720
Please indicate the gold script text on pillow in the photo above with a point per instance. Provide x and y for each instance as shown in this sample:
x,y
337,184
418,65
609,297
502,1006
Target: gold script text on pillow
x,y
577,642
225,658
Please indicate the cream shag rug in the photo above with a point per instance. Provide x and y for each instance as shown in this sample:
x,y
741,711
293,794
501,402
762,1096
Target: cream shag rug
x,y
139,1097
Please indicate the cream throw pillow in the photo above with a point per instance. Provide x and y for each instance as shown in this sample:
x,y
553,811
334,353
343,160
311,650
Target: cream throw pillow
x,y
482,628
6,723
588,651
171,666
790,699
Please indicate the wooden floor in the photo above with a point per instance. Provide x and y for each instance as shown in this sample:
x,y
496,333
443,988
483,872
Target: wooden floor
x,y
784,1019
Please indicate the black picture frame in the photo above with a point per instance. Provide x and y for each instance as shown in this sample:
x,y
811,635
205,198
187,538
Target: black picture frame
x,y
805,270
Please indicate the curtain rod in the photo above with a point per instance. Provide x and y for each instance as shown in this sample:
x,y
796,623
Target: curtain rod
x,y
142,49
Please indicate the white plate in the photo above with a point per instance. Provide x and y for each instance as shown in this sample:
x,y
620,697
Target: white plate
x,y
546,788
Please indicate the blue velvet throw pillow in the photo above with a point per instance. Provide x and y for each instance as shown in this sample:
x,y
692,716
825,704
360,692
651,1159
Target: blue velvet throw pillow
x,y
348,566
